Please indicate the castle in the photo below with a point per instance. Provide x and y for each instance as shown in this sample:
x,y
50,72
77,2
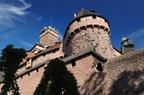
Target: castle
x,y
89,54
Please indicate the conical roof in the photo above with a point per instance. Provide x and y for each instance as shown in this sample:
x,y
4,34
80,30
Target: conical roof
x,y
84,12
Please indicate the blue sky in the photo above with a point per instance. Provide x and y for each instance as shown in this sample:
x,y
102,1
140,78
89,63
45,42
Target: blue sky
x,y
22,20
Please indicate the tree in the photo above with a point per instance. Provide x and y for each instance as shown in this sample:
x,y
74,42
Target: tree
x,y
57,80
10,61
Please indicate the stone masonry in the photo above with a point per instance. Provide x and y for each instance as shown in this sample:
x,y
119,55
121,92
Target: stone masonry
x,y
86,31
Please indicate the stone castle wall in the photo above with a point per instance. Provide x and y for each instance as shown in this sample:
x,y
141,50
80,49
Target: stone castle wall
x,y
123,75
82,69
29,82
127,69
42,58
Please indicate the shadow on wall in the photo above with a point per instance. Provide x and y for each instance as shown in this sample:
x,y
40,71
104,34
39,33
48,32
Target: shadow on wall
x,y
57,80
94,85
129,83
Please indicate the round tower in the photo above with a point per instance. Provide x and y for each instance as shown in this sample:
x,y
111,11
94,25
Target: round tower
x,y
86,30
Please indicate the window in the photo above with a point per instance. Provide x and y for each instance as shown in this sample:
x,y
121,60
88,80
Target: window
x,y
73,63
54,51
78,19
94,16
99,67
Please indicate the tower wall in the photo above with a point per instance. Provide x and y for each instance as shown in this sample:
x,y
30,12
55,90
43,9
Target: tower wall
x,y
87,31
84,66
49,37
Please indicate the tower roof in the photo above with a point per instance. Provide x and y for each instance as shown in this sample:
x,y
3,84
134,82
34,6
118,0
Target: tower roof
x,y
127,42
125,39
84,12
49,27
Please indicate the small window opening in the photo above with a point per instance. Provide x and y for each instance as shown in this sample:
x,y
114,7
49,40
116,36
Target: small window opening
x,y
94,16
78,19
73,63
99,67
28,74
37,70
54,51
44,54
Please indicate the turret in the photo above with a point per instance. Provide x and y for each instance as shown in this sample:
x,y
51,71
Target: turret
x,y
85,30
127,45
48,36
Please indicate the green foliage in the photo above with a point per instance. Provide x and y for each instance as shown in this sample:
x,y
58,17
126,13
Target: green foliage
x,y
57,80
10,60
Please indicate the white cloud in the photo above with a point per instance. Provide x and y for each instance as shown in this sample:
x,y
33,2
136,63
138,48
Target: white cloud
x,y
10,13
136,34
138,37
11,36
26,5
